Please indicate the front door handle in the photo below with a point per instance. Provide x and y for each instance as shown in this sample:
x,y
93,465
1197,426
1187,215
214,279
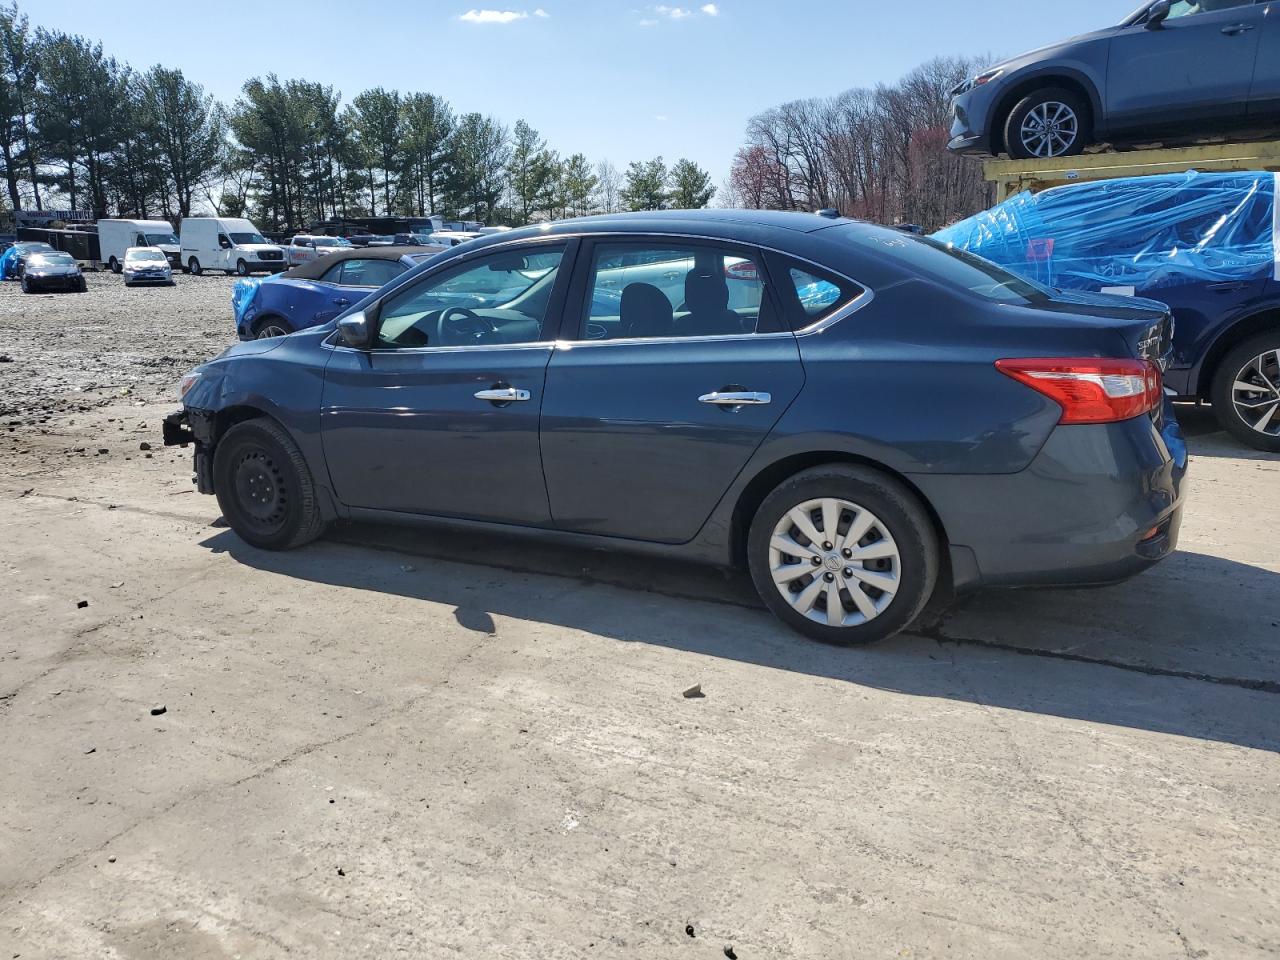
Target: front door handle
x,y
1235,29
342,302
1229,285
502,394
736,398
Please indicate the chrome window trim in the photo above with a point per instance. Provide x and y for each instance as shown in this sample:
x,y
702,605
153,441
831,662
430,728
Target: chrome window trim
x,y
850,308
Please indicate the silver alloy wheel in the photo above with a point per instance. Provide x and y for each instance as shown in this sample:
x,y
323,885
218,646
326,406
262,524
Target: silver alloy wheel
x,y
272,330
835,562
1255,394
1050,129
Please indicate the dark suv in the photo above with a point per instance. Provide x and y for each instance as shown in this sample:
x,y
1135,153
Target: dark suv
x,y
1170,68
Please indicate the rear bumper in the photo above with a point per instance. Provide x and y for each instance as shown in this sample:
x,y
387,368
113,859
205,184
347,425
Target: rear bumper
x,y
1099,504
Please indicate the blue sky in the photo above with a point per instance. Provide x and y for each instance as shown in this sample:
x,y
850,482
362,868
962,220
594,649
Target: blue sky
x,y
621,80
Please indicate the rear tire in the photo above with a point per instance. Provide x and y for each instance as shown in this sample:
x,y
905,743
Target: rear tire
x,y
193,267
893,530
264,487
1253,363
1048,123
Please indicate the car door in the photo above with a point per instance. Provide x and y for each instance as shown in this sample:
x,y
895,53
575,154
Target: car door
x,y
441,416
1196,64
650,414
1264,94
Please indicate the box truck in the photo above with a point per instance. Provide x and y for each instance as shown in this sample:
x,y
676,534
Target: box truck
x,y
230,244
117,236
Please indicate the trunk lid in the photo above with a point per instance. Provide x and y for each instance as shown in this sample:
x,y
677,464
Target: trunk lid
x,y
1146,326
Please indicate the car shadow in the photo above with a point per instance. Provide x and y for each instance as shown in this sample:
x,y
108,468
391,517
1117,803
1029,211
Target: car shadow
x,y
1199,424
1149,655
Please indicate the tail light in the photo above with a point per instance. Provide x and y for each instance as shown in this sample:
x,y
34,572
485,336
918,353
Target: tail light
x,y
1090,390
741,270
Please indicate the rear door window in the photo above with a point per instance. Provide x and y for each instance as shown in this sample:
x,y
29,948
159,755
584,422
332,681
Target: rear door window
x,y
658,289
369,273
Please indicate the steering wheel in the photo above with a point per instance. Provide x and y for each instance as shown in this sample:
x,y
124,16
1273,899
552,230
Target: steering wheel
x,y
461,322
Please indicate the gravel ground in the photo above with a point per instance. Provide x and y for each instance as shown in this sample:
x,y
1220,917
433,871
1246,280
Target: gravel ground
x,y
71,352
398,744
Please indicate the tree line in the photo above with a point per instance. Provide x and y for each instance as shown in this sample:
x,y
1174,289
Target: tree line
x,y
79,129
878,154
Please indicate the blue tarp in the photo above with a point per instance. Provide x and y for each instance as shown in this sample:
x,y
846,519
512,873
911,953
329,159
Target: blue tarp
x,y
1135,232
9,264
243,290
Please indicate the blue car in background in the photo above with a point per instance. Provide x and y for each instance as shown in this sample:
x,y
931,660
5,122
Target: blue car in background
x,y
853,414
1203,243
318,291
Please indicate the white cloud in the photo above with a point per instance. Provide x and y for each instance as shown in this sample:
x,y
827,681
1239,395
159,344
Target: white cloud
x,y
660,117
541,13
667,12
493,16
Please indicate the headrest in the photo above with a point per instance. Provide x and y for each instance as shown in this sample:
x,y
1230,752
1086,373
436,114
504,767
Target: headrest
x,y
705,292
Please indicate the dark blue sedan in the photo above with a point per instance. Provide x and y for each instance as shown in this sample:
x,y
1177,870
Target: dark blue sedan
x,y
852,413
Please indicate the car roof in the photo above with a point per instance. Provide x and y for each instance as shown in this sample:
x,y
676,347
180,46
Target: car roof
x,y
762,227
314,269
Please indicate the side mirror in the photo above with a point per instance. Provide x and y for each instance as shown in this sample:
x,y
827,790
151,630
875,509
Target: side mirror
x,y
356,331
1158,13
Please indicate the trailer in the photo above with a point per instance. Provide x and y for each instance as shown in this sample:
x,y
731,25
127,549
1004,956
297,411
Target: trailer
x,y
1011,177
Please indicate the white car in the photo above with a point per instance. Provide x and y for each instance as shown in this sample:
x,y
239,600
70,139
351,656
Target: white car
x,y
451,238
146,265
304,249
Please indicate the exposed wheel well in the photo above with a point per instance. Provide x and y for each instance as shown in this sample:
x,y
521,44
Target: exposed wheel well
x,y
224,420
1240,331
763,483
1011,99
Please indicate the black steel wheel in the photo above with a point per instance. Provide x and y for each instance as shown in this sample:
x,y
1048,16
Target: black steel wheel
x,y
264,486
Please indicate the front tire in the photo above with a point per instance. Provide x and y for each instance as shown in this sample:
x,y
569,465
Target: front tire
x,y
242,268
115,265
1049,123
270,327
843,554
193,267
264,487
26,286
1246,392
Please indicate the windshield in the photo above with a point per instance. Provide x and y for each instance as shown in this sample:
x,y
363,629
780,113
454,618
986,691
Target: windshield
x,y
156,239
144,255
32,246
239,238
60,259
331,242
939,261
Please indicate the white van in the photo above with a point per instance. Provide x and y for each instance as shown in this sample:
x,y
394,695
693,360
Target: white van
x,y
117,236
229,244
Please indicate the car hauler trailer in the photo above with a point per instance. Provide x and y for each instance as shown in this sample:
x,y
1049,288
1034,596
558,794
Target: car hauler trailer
x,y
1011,177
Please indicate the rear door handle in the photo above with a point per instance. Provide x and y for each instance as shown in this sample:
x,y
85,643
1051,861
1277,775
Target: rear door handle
x,y
502,395
743,398
1235,29
342,302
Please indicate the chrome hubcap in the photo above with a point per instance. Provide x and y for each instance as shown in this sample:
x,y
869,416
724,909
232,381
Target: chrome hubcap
x,y
1256,393
835,562
1050,129
269,331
